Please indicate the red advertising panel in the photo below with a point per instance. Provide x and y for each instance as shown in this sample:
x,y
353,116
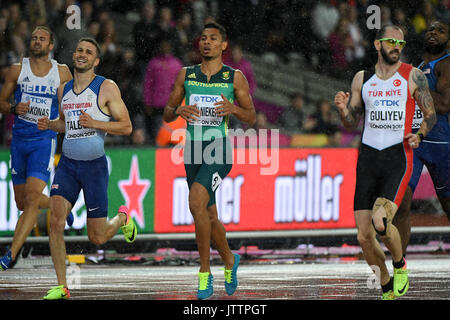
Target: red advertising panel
x,y
280,189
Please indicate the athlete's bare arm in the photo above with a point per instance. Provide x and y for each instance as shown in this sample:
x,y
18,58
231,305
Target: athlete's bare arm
x,y
421,93
8,89
57,124
64,73
352,112
110,102
441,97
173,108
245,112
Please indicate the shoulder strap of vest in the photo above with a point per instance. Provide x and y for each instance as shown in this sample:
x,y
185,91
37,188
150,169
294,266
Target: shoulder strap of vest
x,y
368,74
189,71
68,86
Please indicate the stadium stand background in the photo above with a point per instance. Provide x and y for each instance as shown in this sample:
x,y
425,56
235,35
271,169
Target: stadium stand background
x,y
309,48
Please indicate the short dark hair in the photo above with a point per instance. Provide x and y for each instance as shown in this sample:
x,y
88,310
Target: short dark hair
x,y
94,42
215,25
444,23
47,29
382,31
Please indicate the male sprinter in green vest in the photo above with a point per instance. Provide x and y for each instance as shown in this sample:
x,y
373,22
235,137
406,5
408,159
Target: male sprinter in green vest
x,y
210,89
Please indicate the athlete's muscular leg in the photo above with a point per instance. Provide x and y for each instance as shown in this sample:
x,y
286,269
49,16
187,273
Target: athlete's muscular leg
x,y
100,230
198,201
19,198
44,202
402,219
30,200
218,236
60,208
445,203
370,246
383,213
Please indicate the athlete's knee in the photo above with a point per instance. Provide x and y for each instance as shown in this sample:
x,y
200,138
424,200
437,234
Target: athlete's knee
x,y
32,199
212,213
380,226
196,206
364,237
197,203
97,239
383,213
57,224
20,203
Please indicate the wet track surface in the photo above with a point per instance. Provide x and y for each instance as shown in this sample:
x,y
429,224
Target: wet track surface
x,y
318,274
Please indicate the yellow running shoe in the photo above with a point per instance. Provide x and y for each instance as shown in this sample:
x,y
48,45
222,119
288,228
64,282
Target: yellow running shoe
x,y
129,229
388,295
205,285
231,281
401,281
57,293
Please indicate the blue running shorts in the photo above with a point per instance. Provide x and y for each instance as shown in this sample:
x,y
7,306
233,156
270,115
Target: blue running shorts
x,y
32,158
435,156
91,176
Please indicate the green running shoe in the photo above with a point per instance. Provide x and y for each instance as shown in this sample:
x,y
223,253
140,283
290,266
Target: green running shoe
x,y
401,281
57,293
129,229
205,285
388,295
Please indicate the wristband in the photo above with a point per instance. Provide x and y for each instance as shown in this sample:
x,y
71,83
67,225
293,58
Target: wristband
x,y
175,110
420,134
12,110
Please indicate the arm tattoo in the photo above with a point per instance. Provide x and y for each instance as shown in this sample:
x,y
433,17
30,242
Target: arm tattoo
x,y
353,116
424,99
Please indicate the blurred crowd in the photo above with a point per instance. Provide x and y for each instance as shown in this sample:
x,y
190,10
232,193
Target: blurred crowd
x,y
146,42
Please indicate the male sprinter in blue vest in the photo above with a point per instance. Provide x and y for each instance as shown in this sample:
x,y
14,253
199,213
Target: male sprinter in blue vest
x,y
433,152
34,82
87,105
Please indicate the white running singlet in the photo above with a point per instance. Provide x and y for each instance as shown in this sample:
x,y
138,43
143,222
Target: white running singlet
x,y
389,108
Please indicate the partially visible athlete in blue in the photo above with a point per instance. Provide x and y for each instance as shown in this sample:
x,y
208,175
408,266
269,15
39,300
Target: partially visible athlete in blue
x,y
433,152
34,83
90,107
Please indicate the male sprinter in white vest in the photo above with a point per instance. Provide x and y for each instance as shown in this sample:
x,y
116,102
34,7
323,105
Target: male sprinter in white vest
x,y
34,82
87,104
385,96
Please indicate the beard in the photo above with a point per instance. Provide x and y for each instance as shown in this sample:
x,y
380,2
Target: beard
x,y
39,52
435,48
207,58
387,58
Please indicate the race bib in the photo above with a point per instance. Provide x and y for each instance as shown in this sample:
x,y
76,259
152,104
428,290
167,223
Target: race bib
x,y
39,107
205,105
386,115
74,130
418,118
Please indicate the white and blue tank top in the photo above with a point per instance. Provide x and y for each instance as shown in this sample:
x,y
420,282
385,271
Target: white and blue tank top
x,y
42,94
82,143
